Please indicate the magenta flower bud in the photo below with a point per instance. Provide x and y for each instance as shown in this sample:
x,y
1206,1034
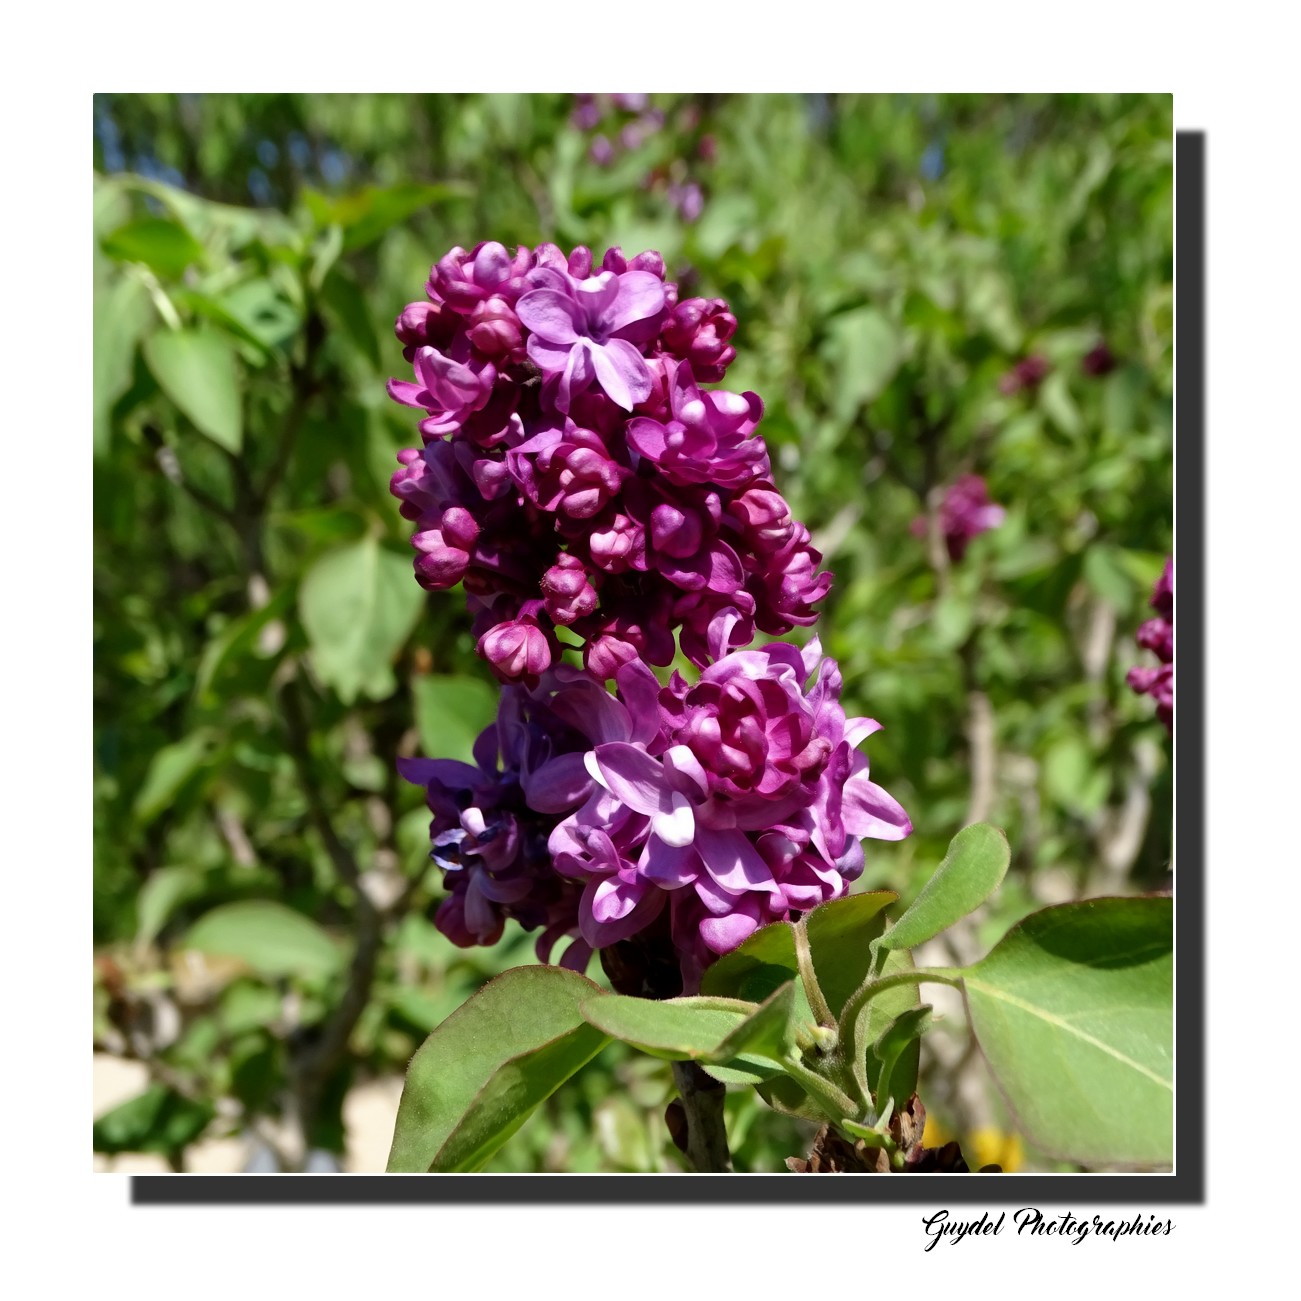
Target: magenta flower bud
x,y
675,532
517,650
614,545
495,331
580,263
568,594
605,655
460,528
697,331
441,564
601,151
766,517
630,103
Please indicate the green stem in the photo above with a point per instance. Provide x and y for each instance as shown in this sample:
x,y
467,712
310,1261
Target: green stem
x,y
862,996
804,956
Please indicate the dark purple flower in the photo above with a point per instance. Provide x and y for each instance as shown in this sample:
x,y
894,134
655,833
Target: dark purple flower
x,y
965,513
492,818
1028,373
1158,636
1098,361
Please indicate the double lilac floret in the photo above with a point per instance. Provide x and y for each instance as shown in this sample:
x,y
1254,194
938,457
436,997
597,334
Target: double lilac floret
x,y
1158,636
575,474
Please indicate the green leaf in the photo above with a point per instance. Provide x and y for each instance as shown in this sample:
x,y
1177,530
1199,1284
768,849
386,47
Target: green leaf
x,y
481,1073
1074,1012
676,1028
237,639
345,303
768,1032
163,246
864,348
273,940
168,772
160,896
367,214
971,871
158,1120
840,938
359,605
120,316
199,371
451,711
891,1050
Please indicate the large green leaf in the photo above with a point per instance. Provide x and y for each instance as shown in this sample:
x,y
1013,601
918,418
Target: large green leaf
x,y
480,1074
676,1028
865,350
971,871
451,710
1074,1012
272,939
358,605
199,371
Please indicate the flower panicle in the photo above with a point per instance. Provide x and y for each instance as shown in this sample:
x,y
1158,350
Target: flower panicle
x,y
575,473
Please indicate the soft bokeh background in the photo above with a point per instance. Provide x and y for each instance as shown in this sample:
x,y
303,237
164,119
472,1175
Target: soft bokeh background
x,y
265,962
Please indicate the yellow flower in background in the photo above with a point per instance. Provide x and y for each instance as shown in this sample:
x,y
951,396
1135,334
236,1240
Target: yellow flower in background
x,y
990,1146
985,1146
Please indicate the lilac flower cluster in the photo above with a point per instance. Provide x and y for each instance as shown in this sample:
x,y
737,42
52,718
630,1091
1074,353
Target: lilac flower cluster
x,y
731,802
965,512
576,474
1158,636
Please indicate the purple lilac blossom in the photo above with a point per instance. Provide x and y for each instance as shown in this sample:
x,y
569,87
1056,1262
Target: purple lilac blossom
x,y
574,471
492,819
965,512
731,802
1158,636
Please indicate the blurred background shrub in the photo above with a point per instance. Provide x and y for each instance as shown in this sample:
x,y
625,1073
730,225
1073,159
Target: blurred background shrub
x,y
927,287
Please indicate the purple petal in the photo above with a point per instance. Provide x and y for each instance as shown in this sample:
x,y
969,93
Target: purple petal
x,y
632,776
640,295
733,861
646,435
558,785
552,315
681,763
647,901
867,810
668,866
723,934
621,371
445,772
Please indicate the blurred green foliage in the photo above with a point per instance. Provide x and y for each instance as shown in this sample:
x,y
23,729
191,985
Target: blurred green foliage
x,y
262,652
